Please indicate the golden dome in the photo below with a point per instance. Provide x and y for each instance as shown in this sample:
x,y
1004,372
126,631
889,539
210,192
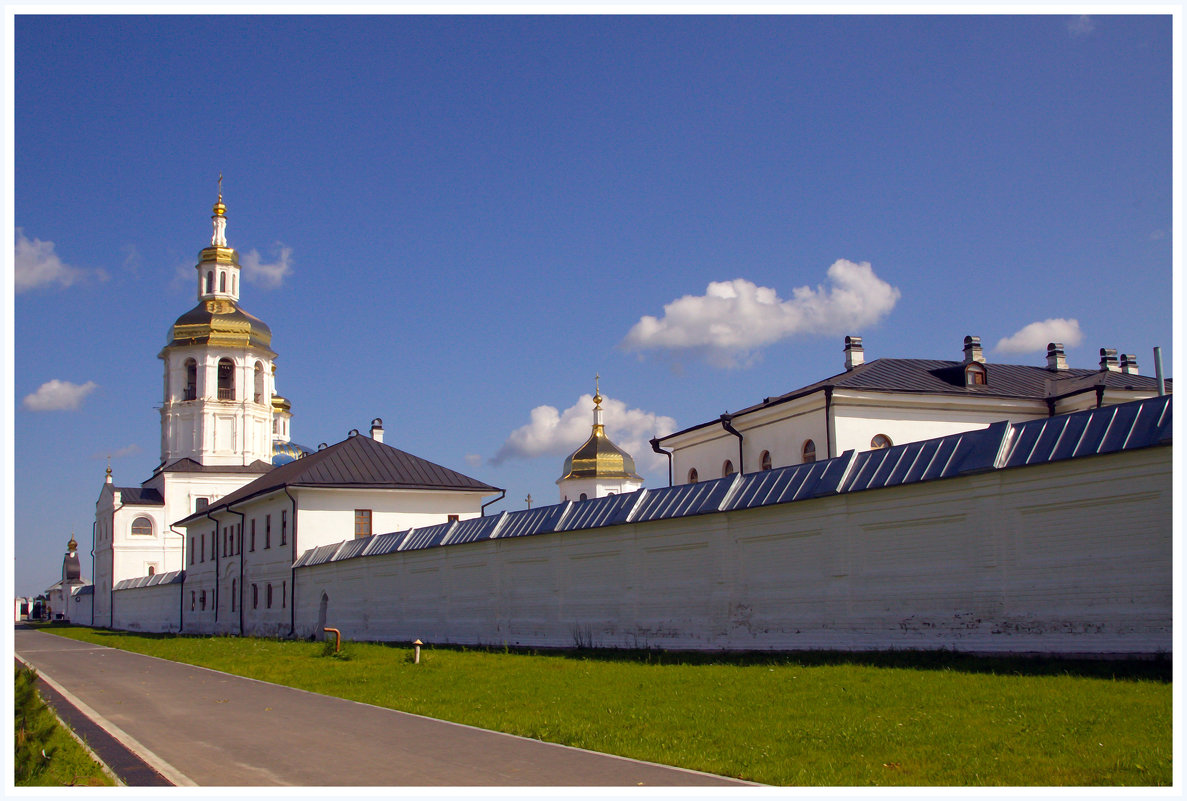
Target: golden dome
x,y
599,458
219,321
72,545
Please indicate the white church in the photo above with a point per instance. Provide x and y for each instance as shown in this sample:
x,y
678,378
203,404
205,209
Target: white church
x,y
894,504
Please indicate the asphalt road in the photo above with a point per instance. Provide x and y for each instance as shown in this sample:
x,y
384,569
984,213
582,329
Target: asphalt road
x,y
195,726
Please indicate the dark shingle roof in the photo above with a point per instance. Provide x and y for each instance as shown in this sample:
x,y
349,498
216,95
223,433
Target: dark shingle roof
x,y
940,377
188,465
356,462
139,496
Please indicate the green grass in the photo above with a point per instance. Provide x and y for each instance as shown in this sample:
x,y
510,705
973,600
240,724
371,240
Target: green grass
x,y
46,754
900,718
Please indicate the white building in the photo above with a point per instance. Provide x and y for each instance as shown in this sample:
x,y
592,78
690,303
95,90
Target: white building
x,y
223,431
893,401
241,548
69,599
599,467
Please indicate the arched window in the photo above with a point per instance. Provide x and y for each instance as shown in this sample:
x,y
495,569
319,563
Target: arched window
x,y
259,382
233,284
269,596
255,596
209,282
583,497
142,527
975,373
727,468
809,451
152,570
880,441
692,476
222,282
191,380
202,600
765,460
226,379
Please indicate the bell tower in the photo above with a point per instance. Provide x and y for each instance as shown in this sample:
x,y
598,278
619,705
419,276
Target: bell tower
x,y
218,389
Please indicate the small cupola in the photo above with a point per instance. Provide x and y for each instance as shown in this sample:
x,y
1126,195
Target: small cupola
x,y
377,429
855,354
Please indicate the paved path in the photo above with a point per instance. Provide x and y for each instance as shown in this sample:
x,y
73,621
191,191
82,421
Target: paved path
x,y
196,726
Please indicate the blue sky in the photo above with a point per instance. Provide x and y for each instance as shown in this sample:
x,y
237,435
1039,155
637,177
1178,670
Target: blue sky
x,y
450,222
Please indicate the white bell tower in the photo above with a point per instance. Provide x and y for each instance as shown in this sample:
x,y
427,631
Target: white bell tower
x,y
218,390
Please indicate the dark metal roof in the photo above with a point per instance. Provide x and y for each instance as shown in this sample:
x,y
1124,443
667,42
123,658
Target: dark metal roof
x,y
1106,430
140,496
188,465
1127,426
940,377
356,462
172,577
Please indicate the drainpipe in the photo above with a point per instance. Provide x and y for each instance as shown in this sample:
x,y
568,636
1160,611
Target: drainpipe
x,y
655,447
242,523
181,601
292,570
502,495
725,423
111,586
92,571
214,547
828,422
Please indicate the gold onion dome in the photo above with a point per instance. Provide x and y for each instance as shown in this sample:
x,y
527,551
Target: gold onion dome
x,y
599,457
219,321
72,545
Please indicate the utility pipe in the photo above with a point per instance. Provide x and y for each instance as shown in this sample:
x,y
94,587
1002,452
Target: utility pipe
x,y
655,447
725,423
502,495
337,638
292,570
1158,371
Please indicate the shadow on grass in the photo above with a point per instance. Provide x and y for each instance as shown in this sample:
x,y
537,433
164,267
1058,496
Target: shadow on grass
x,y
1158,668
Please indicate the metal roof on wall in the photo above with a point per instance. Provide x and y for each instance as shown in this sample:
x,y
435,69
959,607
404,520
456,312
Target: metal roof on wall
x,y
1127,426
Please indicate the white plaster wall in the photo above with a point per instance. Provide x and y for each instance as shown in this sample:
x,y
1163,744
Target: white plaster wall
x,y
327,516
856,425
154,609
1071,557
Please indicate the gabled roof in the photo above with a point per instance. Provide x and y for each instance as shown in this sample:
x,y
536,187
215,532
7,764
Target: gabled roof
x,y
188,465
358,462
940,377
140,496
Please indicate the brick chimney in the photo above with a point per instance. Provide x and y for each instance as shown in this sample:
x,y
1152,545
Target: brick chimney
x,y
855,354
972,350
1129,364
1055,357
1108,360
377,429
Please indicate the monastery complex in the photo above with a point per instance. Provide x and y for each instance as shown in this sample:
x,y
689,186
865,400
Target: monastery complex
x,y
901,503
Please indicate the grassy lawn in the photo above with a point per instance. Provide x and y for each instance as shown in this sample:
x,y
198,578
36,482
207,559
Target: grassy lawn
x,y
46,754
807,719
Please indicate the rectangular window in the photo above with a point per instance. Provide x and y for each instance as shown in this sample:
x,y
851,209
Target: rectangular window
x,y
203,551
284,524
453,518
191,550
255,596
224,540
362,523
267,531
200,504
193,600
232,595
269,596
284,589
239,534
253,535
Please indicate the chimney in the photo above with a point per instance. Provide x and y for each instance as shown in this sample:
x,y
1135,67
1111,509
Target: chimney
x,y
1129,364
1108,360
377,429
972,350
855,354
1055,358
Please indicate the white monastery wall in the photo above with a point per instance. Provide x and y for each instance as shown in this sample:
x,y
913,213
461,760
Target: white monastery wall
x,y
1067,557
156,608
327,516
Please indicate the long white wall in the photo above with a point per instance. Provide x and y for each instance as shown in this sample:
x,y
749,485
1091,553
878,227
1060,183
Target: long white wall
x,y
1067,557
156,608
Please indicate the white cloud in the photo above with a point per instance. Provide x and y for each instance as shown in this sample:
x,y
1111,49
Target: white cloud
x,y
36,265
474,459
733,319
557,434
58,396
1081,25
268,274
1034,337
